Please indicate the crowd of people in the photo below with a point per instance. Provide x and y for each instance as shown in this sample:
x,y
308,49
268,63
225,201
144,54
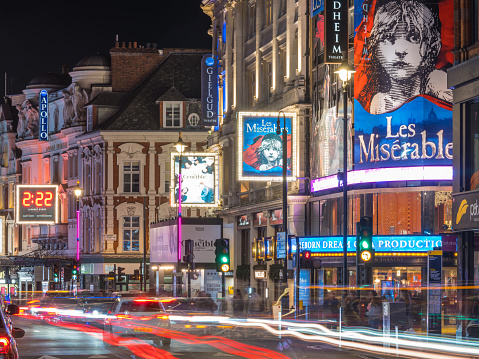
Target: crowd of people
x,y
368,311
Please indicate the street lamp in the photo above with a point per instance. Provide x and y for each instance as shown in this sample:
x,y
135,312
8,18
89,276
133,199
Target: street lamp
x,y
78,192
345,71
180,147
284,134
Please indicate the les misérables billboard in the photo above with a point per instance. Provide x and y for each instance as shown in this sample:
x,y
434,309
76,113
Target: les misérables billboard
x,y
402,107
260,148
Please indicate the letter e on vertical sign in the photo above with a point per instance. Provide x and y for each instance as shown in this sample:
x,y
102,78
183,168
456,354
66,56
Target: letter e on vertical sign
x,y
43,109
209,90
336,30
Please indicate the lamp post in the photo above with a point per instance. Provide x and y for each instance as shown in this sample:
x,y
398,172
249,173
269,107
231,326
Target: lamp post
x,y
345,70
78,192
180,147
284,134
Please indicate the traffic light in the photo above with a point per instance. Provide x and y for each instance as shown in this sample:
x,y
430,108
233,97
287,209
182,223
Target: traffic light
x,y
75,271
364,247
305,259
189,256
222,253
56,273
121,274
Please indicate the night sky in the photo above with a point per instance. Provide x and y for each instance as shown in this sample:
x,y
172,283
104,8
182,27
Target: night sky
x,y
37,37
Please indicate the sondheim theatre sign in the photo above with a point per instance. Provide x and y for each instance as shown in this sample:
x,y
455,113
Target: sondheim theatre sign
x,y
336,31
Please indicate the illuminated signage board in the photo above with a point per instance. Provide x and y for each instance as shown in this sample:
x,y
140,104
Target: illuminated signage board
x,y
316,7
209,90
380,243
260,149
43,107
425,173
465,211
417,134
36,204
336,30
199,185
402,106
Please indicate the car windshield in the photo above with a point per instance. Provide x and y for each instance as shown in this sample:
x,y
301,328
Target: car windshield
x,y
136,306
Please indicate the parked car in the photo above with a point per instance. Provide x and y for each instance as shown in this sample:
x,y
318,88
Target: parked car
x,y
137,317
8,334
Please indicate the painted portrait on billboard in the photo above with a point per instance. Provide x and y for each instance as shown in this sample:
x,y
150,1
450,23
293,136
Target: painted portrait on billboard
x,y
402,50
261,149
199,186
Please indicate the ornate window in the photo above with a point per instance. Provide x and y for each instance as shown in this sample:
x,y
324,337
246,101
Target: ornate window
x,y
131,161
131,176
131,234
172,114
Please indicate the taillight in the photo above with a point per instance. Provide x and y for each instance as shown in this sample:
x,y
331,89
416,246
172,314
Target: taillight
x,y
164,317
4,345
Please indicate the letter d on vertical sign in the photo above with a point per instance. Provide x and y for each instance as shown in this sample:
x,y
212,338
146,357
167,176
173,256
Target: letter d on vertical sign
x,y
43,105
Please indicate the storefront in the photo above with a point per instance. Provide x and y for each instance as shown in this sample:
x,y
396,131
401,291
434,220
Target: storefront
x,y
400,266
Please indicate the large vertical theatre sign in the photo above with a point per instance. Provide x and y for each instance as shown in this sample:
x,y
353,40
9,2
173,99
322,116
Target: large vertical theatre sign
x,y
43,106
209,90
336,30
402,107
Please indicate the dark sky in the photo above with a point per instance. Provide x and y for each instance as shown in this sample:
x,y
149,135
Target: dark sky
x,y
37,37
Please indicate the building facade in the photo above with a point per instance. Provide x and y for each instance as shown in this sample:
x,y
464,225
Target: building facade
x,y
111,129
262,50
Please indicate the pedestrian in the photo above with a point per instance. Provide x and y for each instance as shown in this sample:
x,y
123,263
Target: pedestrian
x,y
331,307
238,304
254,302
375,313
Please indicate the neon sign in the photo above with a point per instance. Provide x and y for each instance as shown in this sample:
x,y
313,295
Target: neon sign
x,y
380,244
43,131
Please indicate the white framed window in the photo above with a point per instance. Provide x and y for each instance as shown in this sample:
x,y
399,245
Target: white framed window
x,y
131,176
131,162
172,114
131,234
89,118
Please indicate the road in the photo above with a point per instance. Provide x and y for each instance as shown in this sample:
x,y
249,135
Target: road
x,y
50,340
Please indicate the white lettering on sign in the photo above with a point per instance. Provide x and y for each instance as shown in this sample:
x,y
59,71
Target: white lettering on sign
x,y
418,148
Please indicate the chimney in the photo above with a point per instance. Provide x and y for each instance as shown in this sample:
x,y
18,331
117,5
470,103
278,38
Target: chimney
x,y
123,44
129,44
148,44
154,45
117,43
135,44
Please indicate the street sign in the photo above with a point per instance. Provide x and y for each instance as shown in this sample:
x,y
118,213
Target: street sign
x,y
281,245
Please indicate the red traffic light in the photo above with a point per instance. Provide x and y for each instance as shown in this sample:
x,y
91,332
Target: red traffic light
x,y
307,255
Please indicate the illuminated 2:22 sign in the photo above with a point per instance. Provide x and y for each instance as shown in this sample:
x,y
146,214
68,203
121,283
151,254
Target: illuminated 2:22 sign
x,y
37,199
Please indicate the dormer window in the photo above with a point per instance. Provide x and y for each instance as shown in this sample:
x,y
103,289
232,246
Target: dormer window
x,y
173,114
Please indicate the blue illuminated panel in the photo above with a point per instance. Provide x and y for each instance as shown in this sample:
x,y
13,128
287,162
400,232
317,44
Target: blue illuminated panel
x,y
380,243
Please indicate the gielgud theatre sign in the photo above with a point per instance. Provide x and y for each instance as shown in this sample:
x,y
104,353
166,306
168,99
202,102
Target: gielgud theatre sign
x,y
465,211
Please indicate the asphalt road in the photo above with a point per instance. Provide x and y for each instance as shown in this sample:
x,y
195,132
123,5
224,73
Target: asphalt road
x,y
50,340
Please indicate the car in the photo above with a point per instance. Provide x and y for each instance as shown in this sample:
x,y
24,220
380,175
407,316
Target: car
x,y
8,334
137,317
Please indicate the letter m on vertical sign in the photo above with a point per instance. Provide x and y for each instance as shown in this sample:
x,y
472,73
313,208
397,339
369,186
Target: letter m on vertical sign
x,y
336,30
43,107
209,90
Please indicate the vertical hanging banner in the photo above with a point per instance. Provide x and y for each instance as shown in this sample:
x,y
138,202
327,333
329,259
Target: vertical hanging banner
x,y
336,30
43,106
209,91
316,7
